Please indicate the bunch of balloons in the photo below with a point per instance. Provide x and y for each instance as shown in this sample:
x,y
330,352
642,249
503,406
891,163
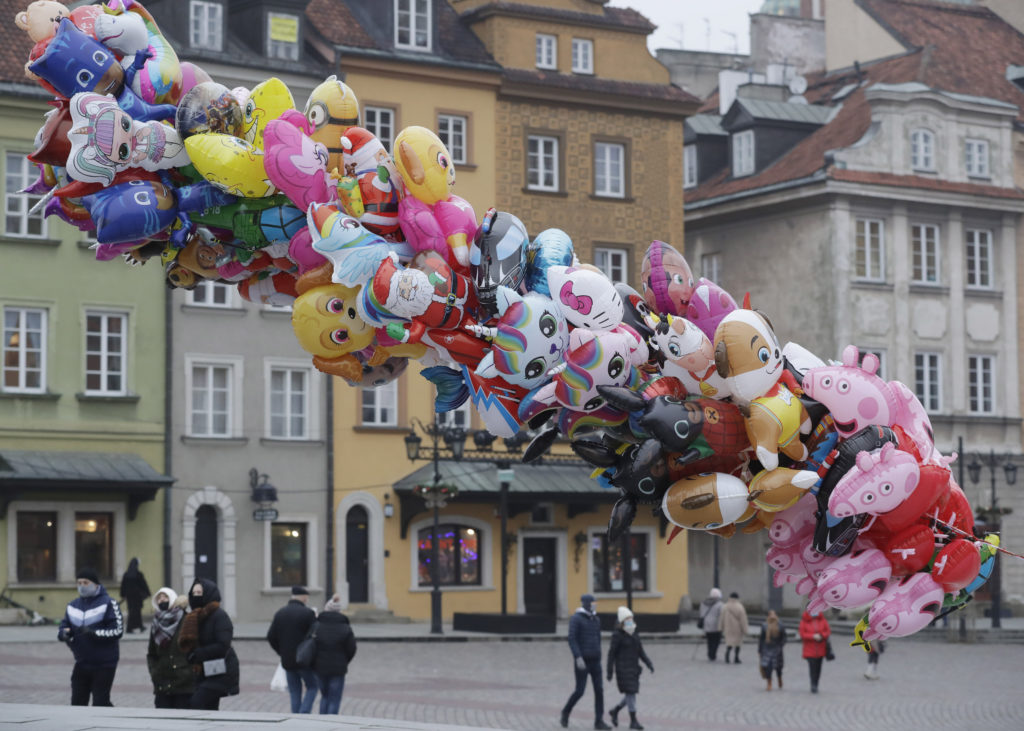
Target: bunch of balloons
x,y
682,399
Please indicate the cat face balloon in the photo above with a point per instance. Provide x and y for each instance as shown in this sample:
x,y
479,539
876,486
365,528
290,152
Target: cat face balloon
x,y
603,358
530,339
588,298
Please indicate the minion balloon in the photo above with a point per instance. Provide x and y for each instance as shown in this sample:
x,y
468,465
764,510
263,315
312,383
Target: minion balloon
x,y
331,109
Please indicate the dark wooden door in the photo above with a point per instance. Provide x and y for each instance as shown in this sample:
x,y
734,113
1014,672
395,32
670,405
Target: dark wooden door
x,y
540,582
357,556
206,543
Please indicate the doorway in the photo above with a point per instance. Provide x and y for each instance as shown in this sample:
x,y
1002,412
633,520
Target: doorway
x,y
357,555
539,576
206,543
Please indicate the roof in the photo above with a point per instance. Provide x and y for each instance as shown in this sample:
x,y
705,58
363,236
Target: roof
x,y
111,469
619,18
15,43
706,124
783,111
481,479
611,87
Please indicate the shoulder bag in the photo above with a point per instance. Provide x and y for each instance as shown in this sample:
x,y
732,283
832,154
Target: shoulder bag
x,y
305,653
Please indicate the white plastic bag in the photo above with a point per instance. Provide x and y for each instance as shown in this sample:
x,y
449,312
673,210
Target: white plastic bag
x,y
280,680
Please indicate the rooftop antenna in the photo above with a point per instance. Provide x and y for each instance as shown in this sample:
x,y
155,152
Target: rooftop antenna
x,y
707,23
860,74
735,42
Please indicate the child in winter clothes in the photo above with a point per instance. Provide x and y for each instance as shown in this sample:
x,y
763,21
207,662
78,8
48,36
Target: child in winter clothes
x,y
624,658
92,628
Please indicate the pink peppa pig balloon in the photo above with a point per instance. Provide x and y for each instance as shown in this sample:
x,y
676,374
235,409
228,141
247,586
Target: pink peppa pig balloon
x,y
854,580
877,483
795,523
905,607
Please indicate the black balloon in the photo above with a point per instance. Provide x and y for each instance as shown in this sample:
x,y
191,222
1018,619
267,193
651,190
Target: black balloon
x,y
497,256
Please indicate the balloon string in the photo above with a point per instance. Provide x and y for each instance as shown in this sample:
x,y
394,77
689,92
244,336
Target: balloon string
x,y
965,534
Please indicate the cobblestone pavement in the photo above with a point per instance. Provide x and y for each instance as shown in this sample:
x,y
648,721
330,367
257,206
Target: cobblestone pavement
x,y
522,685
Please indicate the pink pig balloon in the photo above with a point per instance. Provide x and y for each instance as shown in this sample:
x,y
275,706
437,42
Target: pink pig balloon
x,y
794,523
877,483
905,607
853,580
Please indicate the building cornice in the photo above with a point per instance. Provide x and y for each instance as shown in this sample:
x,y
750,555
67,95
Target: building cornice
x,y
550,15
455,74
522,91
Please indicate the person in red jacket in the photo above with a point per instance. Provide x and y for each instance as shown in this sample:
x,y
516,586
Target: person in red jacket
x,y
814,632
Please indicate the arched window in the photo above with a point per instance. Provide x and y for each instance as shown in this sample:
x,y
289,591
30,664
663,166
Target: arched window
x,y
922,149
458,555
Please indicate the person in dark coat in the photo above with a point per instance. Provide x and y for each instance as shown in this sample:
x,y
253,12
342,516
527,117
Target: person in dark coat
x,y
624,656
134,591
769,648
290,626
92,627
585,643
205,637
335,648
171,673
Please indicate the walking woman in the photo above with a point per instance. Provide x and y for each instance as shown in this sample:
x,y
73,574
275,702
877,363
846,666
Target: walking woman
x,y
172,676
134,591
624,658
710,621
769,648
206,634
814,632
335,648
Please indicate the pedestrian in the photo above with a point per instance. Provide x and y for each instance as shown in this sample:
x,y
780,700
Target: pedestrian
x,y
877,648
734,626
814,632
290,626
92,627
335,648
585,643
710,621
134,591
769,648
171,673
624,656
205,638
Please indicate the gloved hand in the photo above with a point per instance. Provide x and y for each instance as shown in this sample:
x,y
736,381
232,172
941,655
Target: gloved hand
x,y
651,666
191,658
581,664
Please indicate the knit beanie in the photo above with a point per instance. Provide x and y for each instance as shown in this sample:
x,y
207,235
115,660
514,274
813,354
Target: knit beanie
x,y
715,593
333,604
87,573
624,614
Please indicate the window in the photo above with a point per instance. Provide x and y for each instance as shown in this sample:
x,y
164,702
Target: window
x,y
94,542
289,403
412,25
283,36
610,169
927,380
380,405
381,122
24,350
542,163
458,554
613,262
582,56
711,266
924,240
878,353
105,353
743,153
976,158
608,562
979,258
981,384
689,166
460,417
206,20
870,251
546,51
922,150
288,548
19,222
37,546
213,385
208,293
451,128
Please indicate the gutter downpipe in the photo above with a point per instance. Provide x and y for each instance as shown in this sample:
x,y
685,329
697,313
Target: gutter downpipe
x,y
329,560
168,374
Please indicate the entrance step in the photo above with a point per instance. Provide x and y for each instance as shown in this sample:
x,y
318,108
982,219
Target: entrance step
x,y
369,614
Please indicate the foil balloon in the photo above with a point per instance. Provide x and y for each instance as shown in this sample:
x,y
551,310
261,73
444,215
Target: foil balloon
x,y
208,107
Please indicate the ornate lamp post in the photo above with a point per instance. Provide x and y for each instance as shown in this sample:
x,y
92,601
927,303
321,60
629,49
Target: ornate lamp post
x,y
992,517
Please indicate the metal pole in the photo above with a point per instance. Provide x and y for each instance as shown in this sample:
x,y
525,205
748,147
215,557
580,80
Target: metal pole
x,y
627,557
997,583
329,466
714,562
435,568
962,621
504,548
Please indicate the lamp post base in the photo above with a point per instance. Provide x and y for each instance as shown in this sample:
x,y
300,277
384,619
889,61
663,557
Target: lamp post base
x,y
435,612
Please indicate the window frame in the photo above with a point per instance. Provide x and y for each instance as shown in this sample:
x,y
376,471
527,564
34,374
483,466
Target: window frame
x,y
231,297
391,423
312,398
207,40
296,44
929,407
546,44
24,201
414,28
578,65
449,419
375,126
311,522
868,274
486,544
644,532
608,144
711,264
922,150
104,374
739,146
460,156
690,169
919,240
981,167
972,266
556,158
976,403
21,367
236,370
624,252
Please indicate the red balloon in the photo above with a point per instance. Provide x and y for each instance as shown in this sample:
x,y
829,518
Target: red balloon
x,y
910,549
956,565
931,491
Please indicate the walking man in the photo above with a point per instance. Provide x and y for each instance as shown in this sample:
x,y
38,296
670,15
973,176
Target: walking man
x,y
92,628
287,630
585,643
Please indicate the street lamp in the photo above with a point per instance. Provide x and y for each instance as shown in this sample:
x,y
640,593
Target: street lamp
x,y
992,517
435,496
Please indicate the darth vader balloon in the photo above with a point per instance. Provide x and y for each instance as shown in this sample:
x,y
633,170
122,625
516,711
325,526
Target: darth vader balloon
x,y
497,256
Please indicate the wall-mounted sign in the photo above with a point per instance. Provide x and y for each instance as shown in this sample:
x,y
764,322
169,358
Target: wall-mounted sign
x,y
264,514
284,28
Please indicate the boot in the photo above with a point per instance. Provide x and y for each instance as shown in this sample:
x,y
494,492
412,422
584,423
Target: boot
x,y
867,671
780,681
737,658
564,720
728,650
599,724
633,723
769,683
613,714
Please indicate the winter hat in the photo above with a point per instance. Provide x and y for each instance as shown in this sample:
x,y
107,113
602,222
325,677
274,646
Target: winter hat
x,y
587,600
171,595
87,573
333,604
624,614
300,591
715,593
734,595
361,147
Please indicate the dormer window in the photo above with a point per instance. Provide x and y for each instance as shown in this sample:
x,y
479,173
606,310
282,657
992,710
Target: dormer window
x,y
412,24
206,25
582,56
283,36
689,166
743,153
976,158
547,51
922,150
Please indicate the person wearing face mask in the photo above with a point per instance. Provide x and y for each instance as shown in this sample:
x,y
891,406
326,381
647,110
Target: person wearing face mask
x,y
205,638
92,627
624,656
585,643
171,673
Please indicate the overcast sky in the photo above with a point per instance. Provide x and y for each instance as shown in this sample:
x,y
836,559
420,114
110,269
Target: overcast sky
x,y
697,25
